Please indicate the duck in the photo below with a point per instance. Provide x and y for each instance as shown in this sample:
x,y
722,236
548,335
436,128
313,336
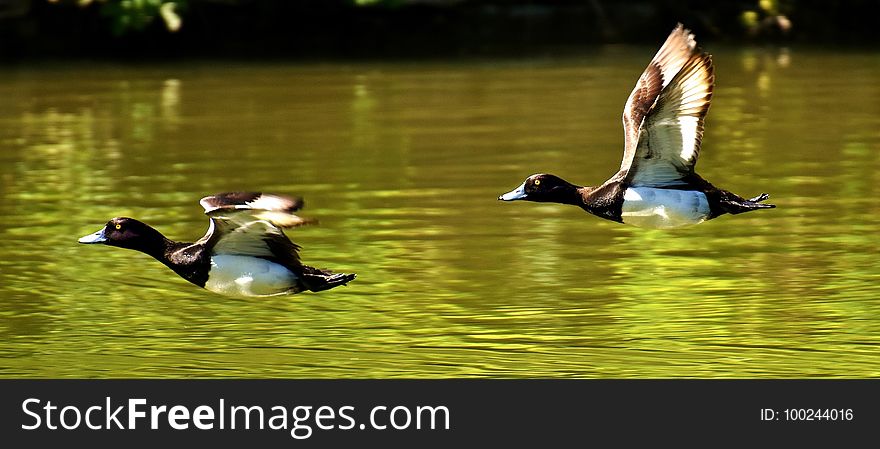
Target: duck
x,y
656,186
244,253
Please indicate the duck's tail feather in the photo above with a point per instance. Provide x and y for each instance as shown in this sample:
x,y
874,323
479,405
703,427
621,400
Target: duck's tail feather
x,y
738,206
316,279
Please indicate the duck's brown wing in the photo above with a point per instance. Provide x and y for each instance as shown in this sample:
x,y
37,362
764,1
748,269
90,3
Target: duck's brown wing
x,y
663,117
277,209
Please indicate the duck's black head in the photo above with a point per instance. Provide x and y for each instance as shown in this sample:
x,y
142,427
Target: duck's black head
x,y
544,188
128,233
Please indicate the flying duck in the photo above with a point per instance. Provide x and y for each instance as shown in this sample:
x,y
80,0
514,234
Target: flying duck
x,y
656,186
244,253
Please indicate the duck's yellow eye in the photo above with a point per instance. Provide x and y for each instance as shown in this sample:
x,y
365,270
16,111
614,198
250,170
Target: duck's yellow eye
x,y
118,226
537,182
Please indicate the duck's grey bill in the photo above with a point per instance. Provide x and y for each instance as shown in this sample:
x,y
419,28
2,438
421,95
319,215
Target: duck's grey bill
x,y
97,237
515,194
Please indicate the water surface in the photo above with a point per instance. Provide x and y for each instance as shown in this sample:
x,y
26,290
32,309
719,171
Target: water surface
x,y
402,164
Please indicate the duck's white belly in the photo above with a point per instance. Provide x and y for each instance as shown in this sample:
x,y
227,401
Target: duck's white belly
x,y
248,276
648,207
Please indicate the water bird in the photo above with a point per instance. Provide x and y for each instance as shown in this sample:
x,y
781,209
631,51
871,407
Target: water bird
x,y
245,252
656,185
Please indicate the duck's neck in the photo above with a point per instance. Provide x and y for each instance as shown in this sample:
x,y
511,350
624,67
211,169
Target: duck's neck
x,y
572,194
162,250
188,260
165,250
150,242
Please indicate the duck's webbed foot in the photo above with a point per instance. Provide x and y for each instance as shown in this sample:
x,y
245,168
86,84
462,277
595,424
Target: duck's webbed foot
x,y
759,198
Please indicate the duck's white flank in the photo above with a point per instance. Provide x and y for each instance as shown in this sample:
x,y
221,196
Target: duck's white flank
x,y
248,276
648,207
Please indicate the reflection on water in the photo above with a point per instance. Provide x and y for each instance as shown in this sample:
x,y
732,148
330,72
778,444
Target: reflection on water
x,y
402,164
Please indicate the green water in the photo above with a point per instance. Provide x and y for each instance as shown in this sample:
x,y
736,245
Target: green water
x,y
402,164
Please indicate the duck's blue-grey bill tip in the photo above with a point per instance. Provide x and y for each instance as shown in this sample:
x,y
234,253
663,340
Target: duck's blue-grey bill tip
x,y
97,237
515,194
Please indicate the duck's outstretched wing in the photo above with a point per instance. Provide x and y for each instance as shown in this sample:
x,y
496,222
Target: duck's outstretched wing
x,y
663,118
276,209
250,224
